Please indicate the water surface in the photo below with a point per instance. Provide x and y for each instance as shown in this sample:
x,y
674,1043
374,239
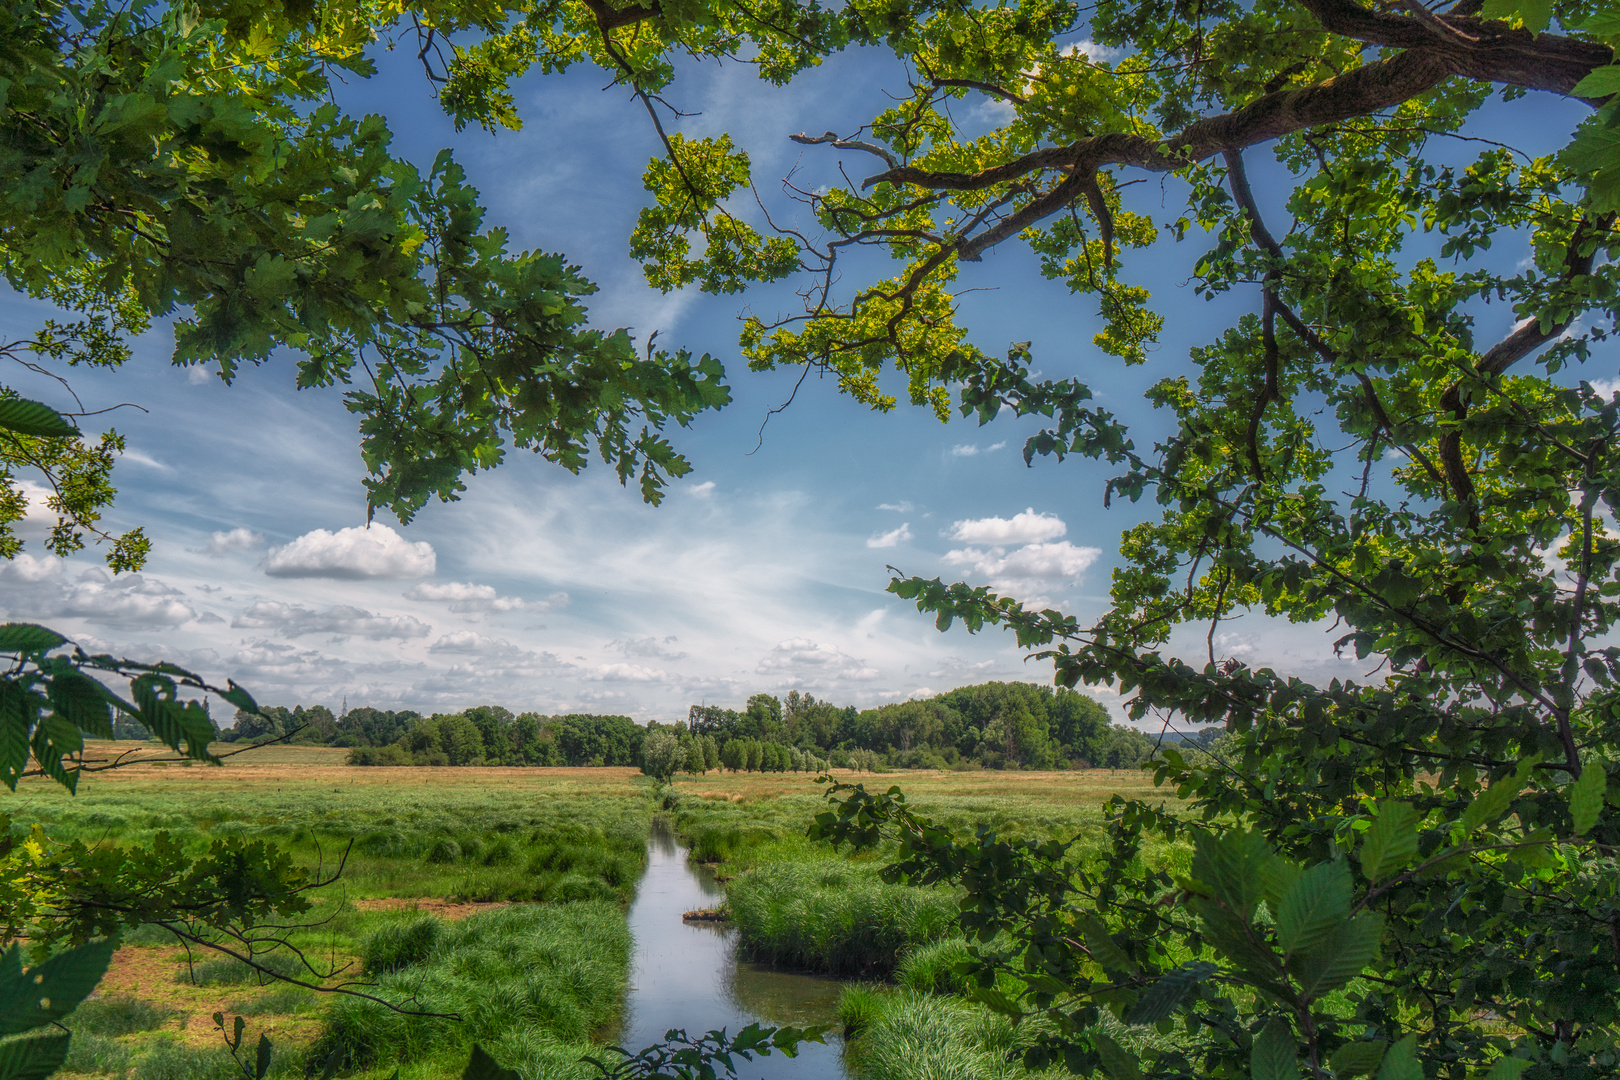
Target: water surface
x,y
687,975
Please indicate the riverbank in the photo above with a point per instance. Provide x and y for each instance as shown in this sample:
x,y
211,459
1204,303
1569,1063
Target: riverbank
x,y
461,844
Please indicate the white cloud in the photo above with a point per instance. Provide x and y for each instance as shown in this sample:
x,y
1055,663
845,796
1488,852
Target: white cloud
x,y
494,649
342,620
137,457
1092,51
902,507
1025,528
648,648
464,596
372,552
126,600
1032,561
973,450
799,661
891,538
701,491
26,568
1606,388
237,539
627,673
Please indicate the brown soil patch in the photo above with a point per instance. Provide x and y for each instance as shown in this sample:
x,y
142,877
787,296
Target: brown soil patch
x,y
153,973
444,909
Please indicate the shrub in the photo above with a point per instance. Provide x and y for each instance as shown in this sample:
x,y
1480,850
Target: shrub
x,y
116,1016
400,944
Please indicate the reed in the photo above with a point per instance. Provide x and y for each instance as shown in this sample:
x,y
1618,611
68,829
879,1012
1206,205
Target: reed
x,y
834,918
557,972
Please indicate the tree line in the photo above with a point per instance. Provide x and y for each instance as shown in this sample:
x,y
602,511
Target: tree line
x,y
1000,725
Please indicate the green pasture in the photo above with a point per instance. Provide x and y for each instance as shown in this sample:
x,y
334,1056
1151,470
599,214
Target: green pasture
x,y
501,900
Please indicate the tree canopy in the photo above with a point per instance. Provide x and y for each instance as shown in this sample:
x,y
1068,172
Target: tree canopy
x,y
1410,873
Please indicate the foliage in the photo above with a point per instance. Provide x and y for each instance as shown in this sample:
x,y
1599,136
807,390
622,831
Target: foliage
x,y
39,998
218,181
707,1057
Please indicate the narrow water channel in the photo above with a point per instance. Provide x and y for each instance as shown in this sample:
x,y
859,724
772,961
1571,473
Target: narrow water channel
x,y
687,975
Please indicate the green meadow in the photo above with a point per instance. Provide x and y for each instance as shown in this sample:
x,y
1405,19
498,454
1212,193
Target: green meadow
x,y
490,904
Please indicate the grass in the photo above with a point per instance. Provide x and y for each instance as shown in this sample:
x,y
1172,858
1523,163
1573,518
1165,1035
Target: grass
x,y
555,972
455,841
834,918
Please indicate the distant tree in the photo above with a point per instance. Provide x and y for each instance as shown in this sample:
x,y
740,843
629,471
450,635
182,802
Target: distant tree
x,y
734,754
494,726
661,754
711,753
755,752
319,725
692,755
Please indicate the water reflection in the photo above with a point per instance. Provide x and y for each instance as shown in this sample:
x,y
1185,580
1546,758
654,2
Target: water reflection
x,y
687,975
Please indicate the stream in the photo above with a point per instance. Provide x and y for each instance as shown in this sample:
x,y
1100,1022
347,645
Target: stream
x,y
687,975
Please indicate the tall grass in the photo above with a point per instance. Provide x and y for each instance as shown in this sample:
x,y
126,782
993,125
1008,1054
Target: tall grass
x,y
556,973
912,1036
834,918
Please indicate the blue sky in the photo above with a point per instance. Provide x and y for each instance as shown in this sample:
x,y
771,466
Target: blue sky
x,y
763,571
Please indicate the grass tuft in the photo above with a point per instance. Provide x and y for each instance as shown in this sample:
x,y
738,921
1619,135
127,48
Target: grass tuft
x,y
401,944
116,1016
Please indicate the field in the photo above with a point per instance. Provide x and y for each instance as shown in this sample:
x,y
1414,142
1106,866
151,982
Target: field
x,y
498,895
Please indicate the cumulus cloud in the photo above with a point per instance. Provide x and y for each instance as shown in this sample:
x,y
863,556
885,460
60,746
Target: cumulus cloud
x,y
341,620
1030,562
648,648
237,539
464,596
1025,528
1606,388
627,673
25,568
129,600
701,491
799,661
973,450
510,657
891,538
372,552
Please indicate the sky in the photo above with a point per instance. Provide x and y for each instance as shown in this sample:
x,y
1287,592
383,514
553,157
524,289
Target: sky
x,y
764,570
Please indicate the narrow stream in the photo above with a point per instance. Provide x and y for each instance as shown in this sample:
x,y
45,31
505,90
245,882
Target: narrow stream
x,y
687,975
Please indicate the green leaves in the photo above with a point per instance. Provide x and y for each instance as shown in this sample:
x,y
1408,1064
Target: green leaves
x,y
1161,999
1390,842
1357,1058
33,418
480,1066
1276,1055
28,638
1586,796
32,1059
1533,15
1316,903
1400,1061
1117,1062
1508,1068
46,993
1493,801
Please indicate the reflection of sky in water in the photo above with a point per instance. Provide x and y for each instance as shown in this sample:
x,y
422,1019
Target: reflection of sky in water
x,y
686,975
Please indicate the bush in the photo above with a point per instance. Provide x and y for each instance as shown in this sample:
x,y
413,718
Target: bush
x,y
116,1016
400,944
834,918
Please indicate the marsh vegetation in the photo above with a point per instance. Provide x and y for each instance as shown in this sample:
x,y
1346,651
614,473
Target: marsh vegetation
x,y
499,897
